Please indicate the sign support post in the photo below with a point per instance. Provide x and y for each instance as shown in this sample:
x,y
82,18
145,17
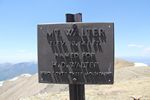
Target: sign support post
x,y
76,91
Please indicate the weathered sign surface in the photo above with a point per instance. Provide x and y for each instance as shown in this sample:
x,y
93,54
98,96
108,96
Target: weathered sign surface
x,y
76,53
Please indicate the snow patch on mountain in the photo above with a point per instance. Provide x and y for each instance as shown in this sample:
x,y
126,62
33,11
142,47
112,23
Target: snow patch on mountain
x,y
26,75
139,64
13,79
1,83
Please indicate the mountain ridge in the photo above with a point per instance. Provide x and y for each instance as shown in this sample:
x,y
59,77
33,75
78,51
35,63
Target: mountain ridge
x,y
8,70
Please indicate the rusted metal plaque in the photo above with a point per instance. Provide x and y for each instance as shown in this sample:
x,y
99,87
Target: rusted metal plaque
x,y
76,53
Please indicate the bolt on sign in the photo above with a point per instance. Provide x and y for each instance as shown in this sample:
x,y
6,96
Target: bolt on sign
x,y
76,53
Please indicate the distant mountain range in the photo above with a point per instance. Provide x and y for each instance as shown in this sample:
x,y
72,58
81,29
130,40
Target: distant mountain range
x,y
8,70
145,60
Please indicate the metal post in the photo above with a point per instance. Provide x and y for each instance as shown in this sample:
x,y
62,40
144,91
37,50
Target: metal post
x,y
76,91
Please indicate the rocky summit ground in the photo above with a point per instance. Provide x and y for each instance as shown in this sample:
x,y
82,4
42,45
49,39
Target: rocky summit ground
x,y
130,81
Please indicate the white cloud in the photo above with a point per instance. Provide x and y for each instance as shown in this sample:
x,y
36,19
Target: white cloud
x,y
135,46
147,49
143,52
138,50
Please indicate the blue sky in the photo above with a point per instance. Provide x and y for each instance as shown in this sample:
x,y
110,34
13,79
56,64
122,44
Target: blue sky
x,y
19,19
